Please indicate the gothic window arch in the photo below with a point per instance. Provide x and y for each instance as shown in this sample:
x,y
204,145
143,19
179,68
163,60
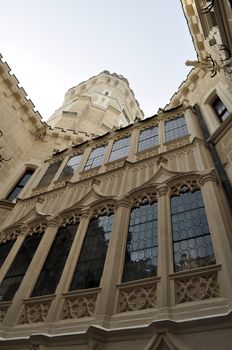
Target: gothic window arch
x,y
90,265
142,241
192,244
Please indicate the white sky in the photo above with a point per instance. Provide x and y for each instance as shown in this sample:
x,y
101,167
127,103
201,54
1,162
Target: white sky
x,y
52,45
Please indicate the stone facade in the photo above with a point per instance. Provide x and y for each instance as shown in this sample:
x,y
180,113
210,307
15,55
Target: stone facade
x,y
174,168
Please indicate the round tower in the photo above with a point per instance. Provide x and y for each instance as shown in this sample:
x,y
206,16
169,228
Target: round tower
x,y
98,105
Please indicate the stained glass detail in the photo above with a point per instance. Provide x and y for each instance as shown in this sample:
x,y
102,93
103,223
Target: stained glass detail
x,y
175,128
70,167
18,269
142,243
148,138
120,148
49,174
52,269
192,244
95,158
20,185
4,250
91,262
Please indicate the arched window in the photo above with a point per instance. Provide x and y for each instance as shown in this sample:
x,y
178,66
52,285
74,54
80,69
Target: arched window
x,y
20,185
192,244
18,269
142,243
53,266
91,262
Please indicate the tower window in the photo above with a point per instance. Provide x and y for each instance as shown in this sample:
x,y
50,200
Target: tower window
x,y
142,243
220,109
120,149
148,138
91,262
95,158
20,185
175,128
49,174
52,269
192,245
18,269
71,167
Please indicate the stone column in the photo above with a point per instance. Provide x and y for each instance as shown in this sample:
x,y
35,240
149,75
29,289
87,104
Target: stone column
x,y
133,145
70,265
114,261
32,273
165,264
220,229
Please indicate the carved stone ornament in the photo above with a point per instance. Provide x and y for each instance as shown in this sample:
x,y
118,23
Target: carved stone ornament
x,y
79,306
142,198
71,219
105,209
9,236
197,288
147,153
137,298
186,186
38,228
3,311
178,143
89,173
40,133
33,313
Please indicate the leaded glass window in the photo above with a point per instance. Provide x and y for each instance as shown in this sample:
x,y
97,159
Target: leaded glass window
x,y
49,174
18,269
5,248
91,262
70,167
192,244
142,243
148,138
53,266
20,185
175,128
220,110
95,158
120,148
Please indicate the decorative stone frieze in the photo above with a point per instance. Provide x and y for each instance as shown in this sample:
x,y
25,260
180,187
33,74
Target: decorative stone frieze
x,y
34,312
3,310
115,164
197,287
191,186
147,153
89,173
71,219
105,209
135,298
79,306
177,143
9,235
144,198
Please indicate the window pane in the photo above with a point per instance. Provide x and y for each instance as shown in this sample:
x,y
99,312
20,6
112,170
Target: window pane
x,y
220,109
91,262
49,174
175,128
15,274
192,245
95,158
71,167
55,261
20,185
142,245
148,138
120,149
4,250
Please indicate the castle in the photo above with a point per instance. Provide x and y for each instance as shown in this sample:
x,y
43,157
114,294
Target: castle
x,y
115,230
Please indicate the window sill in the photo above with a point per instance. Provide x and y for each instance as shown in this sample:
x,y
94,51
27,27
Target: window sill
x,y
196,271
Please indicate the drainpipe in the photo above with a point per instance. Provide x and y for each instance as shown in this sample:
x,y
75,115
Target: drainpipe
x,y
216,159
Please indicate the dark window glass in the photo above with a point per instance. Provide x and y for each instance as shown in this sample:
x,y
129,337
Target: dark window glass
x,y
91,262
70,167
220,110
192,245
95,158
52,269
142,245
4,250
175,128
49,174
15,274
120,149
148,138
20,185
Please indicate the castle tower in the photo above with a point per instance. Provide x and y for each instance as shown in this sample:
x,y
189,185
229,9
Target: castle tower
x,y
97,105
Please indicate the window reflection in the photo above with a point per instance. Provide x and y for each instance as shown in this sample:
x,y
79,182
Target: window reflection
x,y
148,138
142,245
192,244
49,174
70,167
175,128
92,257
95,158
120,148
